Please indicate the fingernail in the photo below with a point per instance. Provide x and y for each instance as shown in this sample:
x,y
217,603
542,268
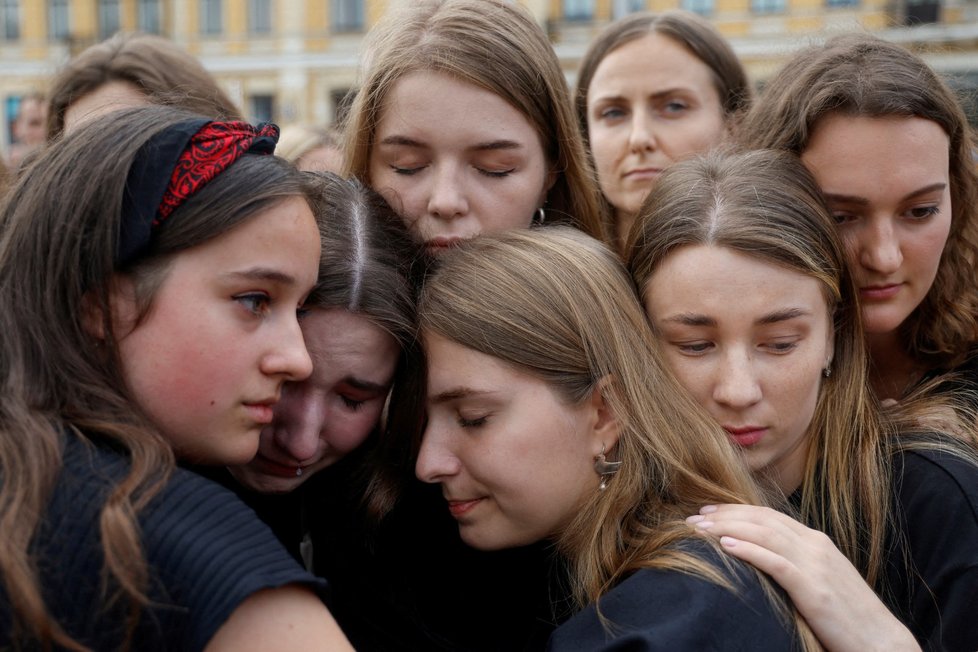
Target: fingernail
x,y
728,542
695,519
704,525
708,509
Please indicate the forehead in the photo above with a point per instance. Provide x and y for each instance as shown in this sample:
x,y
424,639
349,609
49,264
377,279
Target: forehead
x,y
347,341
446,110
652,62
718,282
872,152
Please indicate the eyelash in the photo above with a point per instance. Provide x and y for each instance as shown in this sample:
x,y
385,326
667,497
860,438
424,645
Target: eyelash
x,y
493,174
928,211
351,403
255,302
472,423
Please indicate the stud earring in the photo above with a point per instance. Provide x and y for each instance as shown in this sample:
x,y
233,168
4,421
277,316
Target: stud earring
x,y
828,370
540,217
604,468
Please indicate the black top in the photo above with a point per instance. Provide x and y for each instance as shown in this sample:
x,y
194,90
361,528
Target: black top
x,y
670,610
205,550
932,568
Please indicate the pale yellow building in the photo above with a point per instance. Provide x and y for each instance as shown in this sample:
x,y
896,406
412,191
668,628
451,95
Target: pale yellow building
x,y
295,60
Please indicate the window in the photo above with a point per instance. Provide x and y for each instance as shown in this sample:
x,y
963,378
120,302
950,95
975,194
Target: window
x,y
841,3
922,11
108,18
262,108
701,7
348,15
210,16
578,9
623,7
9,20
767,6
148,17
58,27
260,16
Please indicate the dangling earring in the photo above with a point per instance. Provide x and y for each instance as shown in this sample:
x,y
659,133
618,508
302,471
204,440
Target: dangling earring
x,y
828,370
539,217
604,468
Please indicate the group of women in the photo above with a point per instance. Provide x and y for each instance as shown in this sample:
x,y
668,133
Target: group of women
x,y
647,366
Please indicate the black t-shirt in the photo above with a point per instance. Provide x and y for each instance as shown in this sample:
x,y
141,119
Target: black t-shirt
x,y
672,611
206,553
932,568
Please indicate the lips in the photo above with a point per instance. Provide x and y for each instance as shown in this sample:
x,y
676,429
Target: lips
x,y
643,173
880,292
440,244
270,467
459,508
745,435
261,412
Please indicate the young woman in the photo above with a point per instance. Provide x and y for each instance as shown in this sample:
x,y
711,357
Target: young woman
x,y
891,149
552,418
130,70
745,285
654,89
462,121
311,148
157,293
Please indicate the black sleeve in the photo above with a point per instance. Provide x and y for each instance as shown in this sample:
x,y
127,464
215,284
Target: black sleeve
x,y
668,610
210,552
935,576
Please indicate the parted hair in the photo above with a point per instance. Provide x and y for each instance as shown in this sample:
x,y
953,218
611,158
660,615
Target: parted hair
x,y
558,305
60,372
371,266
495,45
766,205
158,67
863,76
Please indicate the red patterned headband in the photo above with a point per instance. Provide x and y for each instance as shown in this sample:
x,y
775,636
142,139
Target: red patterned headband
x,y
176,163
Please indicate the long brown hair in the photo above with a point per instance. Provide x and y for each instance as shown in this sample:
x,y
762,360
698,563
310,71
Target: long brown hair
x,y
558,305
863,76
58,233
495,45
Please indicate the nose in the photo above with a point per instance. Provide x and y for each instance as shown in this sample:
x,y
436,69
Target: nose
x,y
287,355
300,418
879,246
447,199
737,384
436,460
642,134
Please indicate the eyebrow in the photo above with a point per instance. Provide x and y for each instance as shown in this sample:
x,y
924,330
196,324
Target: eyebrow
x,y
655,96
261,274
366,385
696,319
456,394
862,201
490,145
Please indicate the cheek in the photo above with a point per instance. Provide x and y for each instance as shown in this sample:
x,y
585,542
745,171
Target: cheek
x,y
353,429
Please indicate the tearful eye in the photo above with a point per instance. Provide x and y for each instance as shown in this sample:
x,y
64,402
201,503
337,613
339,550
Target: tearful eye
x,y
255,302
351,403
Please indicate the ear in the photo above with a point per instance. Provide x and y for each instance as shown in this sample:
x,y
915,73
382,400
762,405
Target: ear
x,y
604,426
830,341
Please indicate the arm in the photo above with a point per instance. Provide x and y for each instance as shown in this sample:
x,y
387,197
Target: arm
x,y
842,610
287,618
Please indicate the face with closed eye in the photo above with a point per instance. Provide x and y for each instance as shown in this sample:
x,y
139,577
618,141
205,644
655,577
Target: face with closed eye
x,y
749,340
325,417
514,459
455,160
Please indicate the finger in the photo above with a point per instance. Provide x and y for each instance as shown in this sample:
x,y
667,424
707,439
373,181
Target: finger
x,y
781,569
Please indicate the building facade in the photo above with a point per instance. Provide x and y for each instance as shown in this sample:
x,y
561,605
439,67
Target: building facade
x,y
295,60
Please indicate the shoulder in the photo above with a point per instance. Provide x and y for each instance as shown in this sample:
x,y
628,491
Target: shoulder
x,y
210,552
657,609
936,480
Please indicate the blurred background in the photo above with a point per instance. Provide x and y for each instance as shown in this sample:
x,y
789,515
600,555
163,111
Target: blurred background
x,y
294,61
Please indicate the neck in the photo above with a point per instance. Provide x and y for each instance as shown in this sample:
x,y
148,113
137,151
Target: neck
x,y
623,224
892,370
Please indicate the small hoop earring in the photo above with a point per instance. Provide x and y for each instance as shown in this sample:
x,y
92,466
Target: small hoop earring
x,y
540,216
604,468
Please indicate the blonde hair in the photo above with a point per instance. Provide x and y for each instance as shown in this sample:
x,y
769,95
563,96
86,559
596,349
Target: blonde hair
x,y
495,45
559,305
298,140
863,76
